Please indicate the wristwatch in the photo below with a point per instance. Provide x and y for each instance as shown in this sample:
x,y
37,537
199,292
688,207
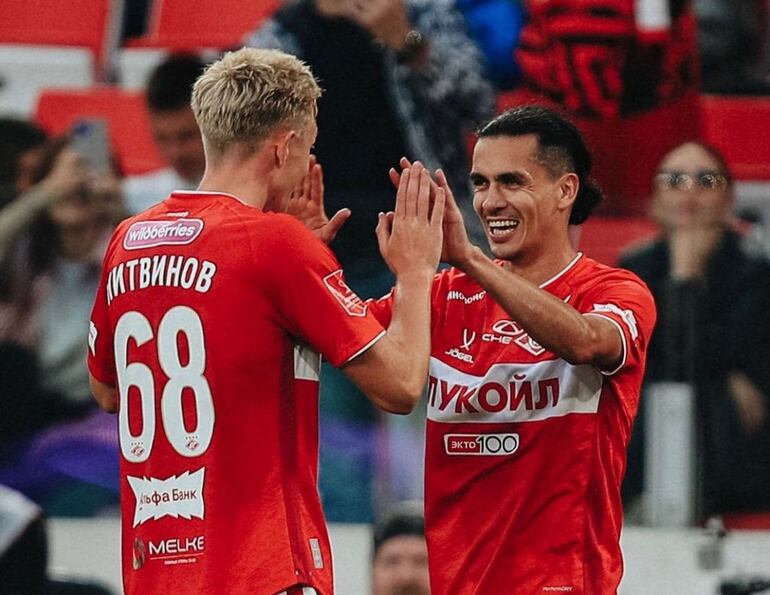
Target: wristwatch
x,y
414,44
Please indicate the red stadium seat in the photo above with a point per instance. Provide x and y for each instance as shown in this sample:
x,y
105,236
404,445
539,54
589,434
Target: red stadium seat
x,y
606,238
185,25
737,127
87,23
747,521
126,115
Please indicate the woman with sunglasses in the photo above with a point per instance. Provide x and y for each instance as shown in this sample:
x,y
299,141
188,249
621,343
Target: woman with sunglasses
x,y
713,330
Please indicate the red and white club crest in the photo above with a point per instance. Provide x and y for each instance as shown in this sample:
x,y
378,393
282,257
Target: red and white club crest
x,y
347,298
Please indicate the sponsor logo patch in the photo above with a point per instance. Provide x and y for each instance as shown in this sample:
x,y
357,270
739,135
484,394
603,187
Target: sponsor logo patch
x,y
148,234
315,549
177,550
626,316
175,497
92,334
468,300
347,298
505,331
461,353
489,445
139,554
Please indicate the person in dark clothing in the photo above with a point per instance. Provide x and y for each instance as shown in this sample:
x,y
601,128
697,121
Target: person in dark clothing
x,y
713,330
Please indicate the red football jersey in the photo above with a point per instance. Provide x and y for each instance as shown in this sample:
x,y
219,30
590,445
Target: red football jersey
x,y
209,317
525,452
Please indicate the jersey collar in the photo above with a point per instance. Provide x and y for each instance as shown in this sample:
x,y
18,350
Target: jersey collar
x,y
563,272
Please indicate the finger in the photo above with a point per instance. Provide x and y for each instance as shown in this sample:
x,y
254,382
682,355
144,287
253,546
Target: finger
x,y
413,190
439,201
317,185
395,177
423,199
404,163
313,161
383,232
402,193
390,216
451,204
336,222
306,185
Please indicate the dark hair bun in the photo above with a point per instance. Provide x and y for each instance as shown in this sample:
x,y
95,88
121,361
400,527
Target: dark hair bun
x,y
588,197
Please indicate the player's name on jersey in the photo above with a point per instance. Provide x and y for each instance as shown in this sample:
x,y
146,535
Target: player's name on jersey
x,y
161,270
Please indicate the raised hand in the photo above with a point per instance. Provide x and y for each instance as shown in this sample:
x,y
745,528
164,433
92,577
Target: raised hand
x,y
457,247
410,239
386,20
307,205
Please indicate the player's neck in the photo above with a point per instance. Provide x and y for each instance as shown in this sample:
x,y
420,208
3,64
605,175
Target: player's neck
x,y
240,182
539,268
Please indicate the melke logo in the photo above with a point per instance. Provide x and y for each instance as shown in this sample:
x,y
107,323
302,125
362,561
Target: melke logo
x,y
347,298
148,234
489,445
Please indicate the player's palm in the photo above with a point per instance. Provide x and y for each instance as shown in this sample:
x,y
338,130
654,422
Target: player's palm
x,y
410,239
307,205
457,246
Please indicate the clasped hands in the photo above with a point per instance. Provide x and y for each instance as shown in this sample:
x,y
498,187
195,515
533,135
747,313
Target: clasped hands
x,y
424,206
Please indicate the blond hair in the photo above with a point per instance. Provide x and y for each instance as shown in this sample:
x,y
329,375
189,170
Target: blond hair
x,y
242,98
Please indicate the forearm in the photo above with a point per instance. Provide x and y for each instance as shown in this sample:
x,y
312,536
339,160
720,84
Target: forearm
x,y
105,395
409,333
15,217
555,325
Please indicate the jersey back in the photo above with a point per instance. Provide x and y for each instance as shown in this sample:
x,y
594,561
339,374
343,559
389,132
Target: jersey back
x,y
210,318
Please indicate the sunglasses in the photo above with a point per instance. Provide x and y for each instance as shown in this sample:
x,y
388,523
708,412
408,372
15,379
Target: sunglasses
x,y
677,180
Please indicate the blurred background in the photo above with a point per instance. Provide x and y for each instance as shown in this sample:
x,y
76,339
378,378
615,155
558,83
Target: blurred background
x,y
673,97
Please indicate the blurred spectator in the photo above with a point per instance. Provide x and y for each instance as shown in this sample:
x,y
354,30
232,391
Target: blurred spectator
x,y
400,78
24,551
52,239
713,329
400,558
732,38
175,131
496,26
20,143
626,70
53,242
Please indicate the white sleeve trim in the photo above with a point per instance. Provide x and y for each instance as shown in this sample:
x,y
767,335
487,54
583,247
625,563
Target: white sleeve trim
x,y
623,359
364,348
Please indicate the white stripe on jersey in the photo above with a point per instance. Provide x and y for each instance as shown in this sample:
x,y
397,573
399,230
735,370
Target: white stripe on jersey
x,y
511,392
307,363
624,358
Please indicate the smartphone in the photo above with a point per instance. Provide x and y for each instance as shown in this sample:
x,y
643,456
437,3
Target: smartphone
x,y
89,139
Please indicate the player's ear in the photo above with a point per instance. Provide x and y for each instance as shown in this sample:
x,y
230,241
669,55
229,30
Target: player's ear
x,y
283,146
569,185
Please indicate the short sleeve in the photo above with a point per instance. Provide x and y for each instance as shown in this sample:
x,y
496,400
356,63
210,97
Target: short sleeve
x,y
628,304
382,308
309,291
101,357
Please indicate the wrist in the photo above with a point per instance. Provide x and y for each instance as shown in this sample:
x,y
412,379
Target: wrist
x,y
470,260
416,277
